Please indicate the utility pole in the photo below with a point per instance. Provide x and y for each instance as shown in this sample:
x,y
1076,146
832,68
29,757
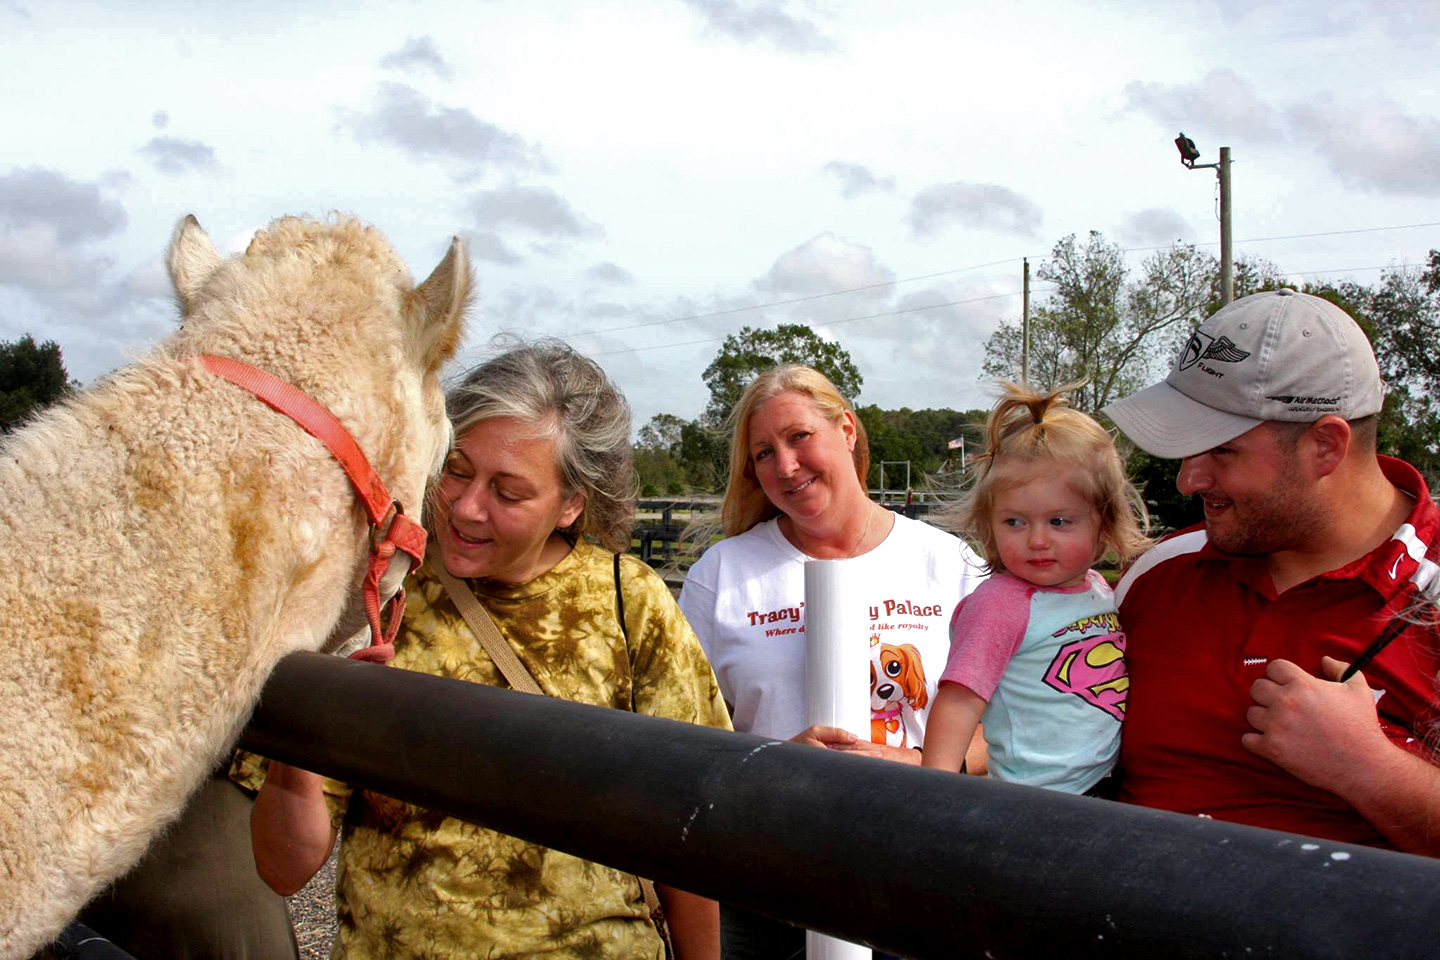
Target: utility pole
x,y
1189,153
1227,265
1024,331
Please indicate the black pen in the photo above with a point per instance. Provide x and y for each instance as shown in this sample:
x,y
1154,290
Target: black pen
x,y
1392,630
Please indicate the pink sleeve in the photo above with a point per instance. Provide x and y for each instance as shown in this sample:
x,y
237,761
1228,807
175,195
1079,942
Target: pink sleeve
x,y
985,632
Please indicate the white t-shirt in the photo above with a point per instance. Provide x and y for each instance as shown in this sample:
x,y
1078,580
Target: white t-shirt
x,y
745,598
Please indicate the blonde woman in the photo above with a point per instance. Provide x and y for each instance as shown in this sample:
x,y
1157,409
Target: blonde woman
x,y
798,461
541,466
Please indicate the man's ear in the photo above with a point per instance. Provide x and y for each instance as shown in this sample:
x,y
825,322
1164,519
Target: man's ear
x,y
1330,439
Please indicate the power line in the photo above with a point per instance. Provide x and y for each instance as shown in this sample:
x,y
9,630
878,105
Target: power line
x,y
1295,236
931,306
978,266
784,303
930,276
1311,273
826,323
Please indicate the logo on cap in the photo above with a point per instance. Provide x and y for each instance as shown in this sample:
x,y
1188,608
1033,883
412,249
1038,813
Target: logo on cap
x,y
1312,401
1202,346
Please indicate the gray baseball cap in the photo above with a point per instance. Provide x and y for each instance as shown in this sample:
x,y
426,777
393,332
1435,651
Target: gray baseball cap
x,y
1279,355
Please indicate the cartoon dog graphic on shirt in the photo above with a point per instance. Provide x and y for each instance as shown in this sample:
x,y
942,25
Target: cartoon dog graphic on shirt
x,y
897,690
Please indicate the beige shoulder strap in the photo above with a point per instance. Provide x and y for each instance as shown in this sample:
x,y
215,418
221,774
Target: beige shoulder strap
x,y
484,628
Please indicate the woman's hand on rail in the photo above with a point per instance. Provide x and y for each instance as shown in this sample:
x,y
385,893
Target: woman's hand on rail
x,y
836,738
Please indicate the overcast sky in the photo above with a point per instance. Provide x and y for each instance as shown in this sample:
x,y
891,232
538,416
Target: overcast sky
x,y
634,175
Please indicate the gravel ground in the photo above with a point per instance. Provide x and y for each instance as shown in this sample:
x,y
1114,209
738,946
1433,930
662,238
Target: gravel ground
x,y
312,910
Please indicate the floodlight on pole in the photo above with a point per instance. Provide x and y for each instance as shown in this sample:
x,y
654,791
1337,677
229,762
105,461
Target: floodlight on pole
x,y
1189,153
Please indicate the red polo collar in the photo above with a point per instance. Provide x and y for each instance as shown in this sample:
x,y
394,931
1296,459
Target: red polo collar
x,y
1389,569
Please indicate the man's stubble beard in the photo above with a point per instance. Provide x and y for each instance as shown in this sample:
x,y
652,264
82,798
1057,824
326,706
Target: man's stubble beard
x,y
1282,519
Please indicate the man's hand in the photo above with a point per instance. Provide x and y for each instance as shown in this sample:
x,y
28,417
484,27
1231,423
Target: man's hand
x,y
1318,730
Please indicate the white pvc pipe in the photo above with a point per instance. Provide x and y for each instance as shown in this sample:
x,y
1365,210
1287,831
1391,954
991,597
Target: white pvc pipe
x,y
837,684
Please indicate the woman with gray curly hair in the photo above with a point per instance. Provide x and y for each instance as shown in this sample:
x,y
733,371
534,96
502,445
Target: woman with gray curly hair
x,y
529,515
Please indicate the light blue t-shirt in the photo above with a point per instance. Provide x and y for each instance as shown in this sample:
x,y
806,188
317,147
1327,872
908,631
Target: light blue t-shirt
x,y
1051,664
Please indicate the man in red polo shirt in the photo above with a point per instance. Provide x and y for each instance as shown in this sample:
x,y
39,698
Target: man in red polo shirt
x,y
1314,549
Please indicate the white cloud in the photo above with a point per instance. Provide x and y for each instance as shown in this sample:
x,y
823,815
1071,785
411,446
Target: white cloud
x,y
765,20
49,225
487,245
610,273
1153,227
76,210
979,206
34,256
856,180
404,117
418,54
173,155
1219,101
1373,144
824,264
150,281
538,210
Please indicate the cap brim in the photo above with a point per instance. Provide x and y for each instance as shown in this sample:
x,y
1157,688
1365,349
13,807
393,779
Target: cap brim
x,y
1165,423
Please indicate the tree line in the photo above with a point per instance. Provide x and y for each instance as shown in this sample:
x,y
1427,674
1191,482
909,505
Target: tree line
x,y
1110,326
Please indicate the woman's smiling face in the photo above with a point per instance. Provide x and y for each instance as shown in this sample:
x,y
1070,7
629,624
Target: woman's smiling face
x,y
801,459
499,499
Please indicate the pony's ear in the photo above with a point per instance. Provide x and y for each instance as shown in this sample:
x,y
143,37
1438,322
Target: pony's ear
x,y
191,259
442,300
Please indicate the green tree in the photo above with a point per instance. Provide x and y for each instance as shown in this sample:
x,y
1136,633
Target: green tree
x,y
32,376
1401,316
1155,479
705,452
1251,275
1101,327
920,436
661,432
704,444
746,354
658,462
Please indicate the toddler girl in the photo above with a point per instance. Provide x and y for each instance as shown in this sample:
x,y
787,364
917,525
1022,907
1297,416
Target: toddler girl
x,y
1036,652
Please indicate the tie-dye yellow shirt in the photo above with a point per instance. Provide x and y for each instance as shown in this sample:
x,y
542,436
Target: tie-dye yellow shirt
x,y
418,884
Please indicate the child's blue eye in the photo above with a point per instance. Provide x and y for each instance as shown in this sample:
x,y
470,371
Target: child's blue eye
x,y
1059,521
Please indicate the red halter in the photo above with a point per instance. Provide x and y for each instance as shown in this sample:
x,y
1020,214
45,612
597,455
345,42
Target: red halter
x,y
390,528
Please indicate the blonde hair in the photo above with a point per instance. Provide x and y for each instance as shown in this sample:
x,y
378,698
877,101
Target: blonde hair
x,y
745,504
569,398
1030,434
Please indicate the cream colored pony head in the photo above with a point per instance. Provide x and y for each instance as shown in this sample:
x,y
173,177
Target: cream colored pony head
x,y
328,306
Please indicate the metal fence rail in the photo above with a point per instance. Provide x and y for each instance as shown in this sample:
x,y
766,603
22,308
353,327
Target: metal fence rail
x,y
79,942
914,862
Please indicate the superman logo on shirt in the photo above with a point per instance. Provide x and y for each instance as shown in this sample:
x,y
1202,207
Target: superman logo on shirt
x,y
1093,668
